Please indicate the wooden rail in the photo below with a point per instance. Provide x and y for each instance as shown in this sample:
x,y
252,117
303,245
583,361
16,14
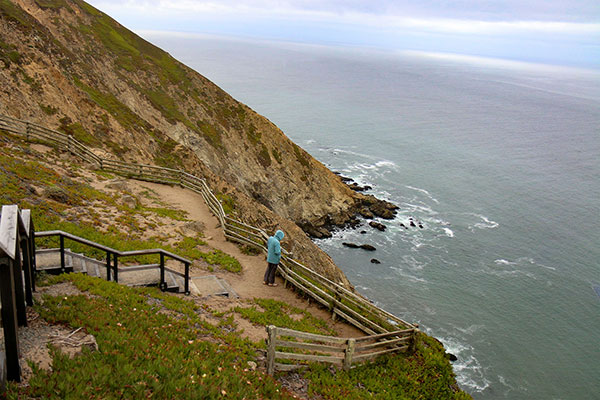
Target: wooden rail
x,y
340,301
296,346
17,263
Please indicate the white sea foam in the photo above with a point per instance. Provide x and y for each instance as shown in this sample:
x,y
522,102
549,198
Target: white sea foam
x,y
448,232
386,163
484,223
469,372
418,208
406,275
503,262
425,192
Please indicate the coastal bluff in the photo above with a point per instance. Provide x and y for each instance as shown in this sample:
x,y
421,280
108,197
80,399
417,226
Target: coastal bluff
x,y
68,66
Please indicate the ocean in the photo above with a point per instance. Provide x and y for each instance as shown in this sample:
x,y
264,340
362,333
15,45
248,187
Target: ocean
x,y
499,161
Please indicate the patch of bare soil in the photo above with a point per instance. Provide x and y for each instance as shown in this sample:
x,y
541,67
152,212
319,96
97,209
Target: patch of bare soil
x,y
38,335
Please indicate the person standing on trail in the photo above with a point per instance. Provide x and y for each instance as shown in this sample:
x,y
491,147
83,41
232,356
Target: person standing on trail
x,y
273,257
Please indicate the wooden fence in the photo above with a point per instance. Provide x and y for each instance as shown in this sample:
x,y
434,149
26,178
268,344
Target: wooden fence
x,y
17,263
339,300
299,348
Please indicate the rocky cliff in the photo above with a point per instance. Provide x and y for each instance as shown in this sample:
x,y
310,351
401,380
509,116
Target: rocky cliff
x,y
68,66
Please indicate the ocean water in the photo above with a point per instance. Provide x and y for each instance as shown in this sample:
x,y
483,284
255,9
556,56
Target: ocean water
x,y
500,162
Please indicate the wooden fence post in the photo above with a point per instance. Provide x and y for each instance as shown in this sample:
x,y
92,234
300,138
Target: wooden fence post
x,y
272,331
18,282
27,130
413,341
9,320
32,253
26,249
348,353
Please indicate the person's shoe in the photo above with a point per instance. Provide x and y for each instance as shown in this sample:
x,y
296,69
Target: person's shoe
x,y
272,284
265,283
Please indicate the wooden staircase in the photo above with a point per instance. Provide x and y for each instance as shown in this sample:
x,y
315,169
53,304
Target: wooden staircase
x,y
48,260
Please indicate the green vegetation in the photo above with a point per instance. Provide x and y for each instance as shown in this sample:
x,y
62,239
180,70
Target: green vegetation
x,y
253,134
48,110
276,155
227,262
250,250
33,83
212,134
227,202
8,55
68,127
52,4
278,313
127,118
263,156
143,351
177,215
103,175
13,12
426,374
301,155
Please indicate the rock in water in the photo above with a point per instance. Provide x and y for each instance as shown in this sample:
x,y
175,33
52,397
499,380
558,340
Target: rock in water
x,y
375,261
351,245
367,247
378,226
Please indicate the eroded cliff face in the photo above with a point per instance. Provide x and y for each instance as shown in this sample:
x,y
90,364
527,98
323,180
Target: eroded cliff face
x,y
68,66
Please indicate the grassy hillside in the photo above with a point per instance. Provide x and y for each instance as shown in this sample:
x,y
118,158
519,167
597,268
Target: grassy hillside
x,y
156,345
152,344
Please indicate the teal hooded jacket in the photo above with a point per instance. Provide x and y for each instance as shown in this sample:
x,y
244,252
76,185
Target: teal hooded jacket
x,y
274,254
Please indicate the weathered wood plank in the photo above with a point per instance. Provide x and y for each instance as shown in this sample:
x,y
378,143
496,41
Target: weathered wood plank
x,y
382,344
309,346
308,357
309,336
354,322
386,335
368,356
9,221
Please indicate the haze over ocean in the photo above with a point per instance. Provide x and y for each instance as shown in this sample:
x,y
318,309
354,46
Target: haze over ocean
x,y
498,160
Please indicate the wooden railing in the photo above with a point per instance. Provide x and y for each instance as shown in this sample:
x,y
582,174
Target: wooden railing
x,y
296,346
340,301
17,261
112,259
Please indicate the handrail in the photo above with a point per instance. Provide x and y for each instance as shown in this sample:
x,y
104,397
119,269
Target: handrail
x,y
17,262
252,236
114,253
110,249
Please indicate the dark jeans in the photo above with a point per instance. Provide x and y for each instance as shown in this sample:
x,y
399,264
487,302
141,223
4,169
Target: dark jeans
x,y
270,273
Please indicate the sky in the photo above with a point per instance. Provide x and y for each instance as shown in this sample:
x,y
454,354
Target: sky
x,y
563,32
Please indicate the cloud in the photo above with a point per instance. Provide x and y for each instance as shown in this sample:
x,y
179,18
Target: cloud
x,y
377,13
586,11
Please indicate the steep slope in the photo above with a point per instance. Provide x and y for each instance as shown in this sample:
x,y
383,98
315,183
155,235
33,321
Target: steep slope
x,y
66,65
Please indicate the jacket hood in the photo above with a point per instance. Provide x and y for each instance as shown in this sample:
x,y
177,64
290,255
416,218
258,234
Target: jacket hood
x,y
279,235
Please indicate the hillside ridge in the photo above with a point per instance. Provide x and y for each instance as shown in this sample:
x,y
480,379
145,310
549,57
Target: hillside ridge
x,y
66,65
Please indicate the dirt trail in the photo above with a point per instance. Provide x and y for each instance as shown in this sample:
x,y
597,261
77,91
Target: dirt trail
x,y
249,283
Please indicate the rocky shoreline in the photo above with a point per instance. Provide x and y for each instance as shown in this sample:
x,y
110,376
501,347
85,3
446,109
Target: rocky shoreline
x,y
367,207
